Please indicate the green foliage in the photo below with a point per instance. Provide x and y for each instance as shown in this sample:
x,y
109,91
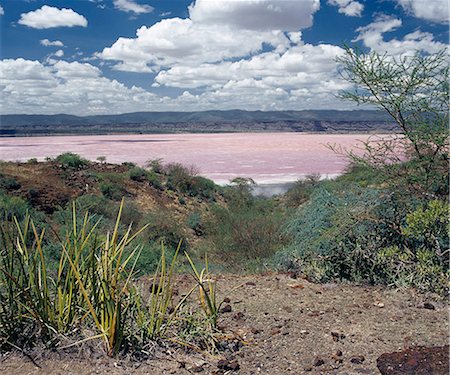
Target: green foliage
x,y
369,235
414,91
111,190
429,227
12,207
194,221
243,234
71,160
162,226
138,174
8,183
91,293
32,161
301,191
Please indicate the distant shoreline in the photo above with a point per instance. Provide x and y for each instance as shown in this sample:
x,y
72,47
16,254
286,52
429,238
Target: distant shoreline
x,y
356,132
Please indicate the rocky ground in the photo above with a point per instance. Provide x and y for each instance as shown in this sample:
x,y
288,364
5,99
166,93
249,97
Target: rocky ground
x,y
286,325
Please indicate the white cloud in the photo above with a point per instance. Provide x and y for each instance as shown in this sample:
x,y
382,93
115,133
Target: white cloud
x,y
2,12
48,17
49,43
255,14
348,7
132,6
216,30
31,87
59,53
176,40
80,88
372,37
430,10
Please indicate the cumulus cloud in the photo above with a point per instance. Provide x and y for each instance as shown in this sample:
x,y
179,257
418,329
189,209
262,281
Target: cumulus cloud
x,y
59,53
132,6
214,31
80,88
255,14
348,7
176,40
430,10
69,87
48,17
2,12
49,43
372,37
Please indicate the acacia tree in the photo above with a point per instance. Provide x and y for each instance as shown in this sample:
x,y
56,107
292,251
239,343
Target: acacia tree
x,y
414,91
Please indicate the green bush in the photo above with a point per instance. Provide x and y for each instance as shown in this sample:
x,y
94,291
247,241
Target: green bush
x,y
8,183
240,235
138,174
71,160
111,191
12,207
368,235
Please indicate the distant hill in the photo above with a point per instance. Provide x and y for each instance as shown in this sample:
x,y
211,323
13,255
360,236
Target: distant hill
x,y
202,121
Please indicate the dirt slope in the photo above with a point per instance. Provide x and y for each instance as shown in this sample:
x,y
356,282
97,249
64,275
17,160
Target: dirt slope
x,y
287,326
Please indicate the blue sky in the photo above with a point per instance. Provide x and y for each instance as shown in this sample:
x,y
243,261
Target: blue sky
x,y
114,56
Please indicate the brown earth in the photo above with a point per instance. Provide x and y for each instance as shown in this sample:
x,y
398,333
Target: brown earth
x,y
284,326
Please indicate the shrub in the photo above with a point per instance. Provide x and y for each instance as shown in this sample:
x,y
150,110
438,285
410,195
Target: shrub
x,y
71,160
32,161
111,191
368,235
240,235
8,183
138,174
11,207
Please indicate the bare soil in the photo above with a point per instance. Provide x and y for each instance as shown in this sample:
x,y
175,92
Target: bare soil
x,y
285,326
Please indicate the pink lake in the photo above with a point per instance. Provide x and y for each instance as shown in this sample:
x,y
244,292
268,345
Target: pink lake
x,y
266,157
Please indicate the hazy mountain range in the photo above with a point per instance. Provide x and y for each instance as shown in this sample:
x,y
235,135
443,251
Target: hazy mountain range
x,y
204,121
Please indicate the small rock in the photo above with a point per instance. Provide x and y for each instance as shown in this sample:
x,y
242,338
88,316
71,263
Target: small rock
x,y
379,304
338,353
226,300
318,362
357,360
429,306
415,361
197,369
274,331
238,316
250,283
226,365
255,331
337,336
226,309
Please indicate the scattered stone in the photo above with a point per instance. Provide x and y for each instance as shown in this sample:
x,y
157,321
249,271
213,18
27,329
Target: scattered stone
x,y
337,336
308,369
275,331
225,309
318,362
429,306
357,359
338,353
196,369
255,331
238,316
419,360
226,300
250,283
227,365
296,286
379,304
